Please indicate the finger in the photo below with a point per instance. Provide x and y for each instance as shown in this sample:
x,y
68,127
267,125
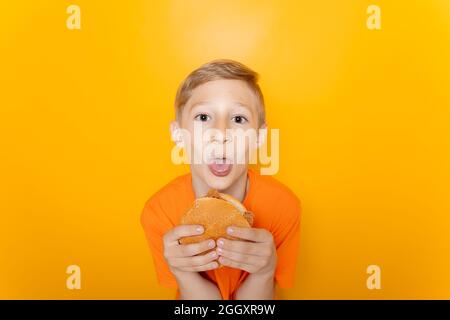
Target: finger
x,y
236,256
194,261
209,266
172,236
189,250
251,248
252,234
237,265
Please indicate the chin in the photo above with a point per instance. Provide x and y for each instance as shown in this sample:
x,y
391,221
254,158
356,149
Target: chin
x,y
219,183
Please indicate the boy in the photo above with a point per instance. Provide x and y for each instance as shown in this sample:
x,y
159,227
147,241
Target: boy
x,y
224,96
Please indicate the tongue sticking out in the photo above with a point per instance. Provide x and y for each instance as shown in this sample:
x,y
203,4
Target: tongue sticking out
x,y
220,169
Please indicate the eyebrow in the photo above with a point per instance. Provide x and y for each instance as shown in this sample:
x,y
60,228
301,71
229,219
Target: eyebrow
x,y
242,105
198,104
237,103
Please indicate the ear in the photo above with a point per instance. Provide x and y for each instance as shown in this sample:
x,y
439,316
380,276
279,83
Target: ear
x,y
262,135
176,134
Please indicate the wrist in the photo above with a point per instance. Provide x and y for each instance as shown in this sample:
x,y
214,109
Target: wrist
x,y
268,272
183,275
264,275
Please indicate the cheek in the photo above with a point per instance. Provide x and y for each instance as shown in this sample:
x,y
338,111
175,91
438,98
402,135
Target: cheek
x,y
238,169
197,146
241,155
244,148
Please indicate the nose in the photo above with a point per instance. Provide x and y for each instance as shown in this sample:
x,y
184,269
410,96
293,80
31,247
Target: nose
x,y
221,126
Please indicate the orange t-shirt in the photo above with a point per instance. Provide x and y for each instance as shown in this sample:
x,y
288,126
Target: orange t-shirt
x,y
275,208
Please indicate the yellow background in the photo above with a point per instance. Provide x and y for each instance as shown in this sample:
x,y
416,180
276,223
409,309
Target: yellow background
x,y
364,119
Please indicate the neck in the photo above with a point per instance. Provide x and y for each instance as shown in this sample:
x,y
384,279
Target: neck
x,y
238,189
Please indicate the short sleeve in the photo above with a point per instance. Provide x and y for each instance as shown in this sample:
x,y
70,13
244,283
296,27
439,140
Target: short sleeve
x,y
287,238
155,224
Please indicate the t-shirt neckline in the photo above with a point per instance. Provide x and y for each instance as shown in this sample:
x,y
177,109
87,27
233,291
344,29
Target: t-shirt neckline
x,y
248,195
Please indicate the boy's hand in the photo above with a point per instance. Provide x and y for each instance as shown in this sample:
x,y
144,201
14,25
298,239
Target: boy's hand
x,y
185,257
258,255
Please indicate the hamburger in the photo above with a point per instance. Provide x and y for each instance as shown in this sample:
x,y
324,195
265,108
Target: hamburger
x,y
215,212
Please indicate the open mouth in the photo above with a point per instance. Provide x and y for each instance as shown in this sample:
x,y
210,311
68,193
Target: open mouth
x,y
220,167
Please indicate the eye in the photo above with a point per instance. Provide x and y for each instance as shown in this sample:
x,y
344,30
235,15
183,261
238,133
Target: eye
x,y
202,117
240,119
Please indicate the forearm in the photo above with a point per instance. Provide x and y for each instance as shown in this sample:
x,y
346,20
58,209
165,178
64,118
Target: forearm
x,y
193,286
256,287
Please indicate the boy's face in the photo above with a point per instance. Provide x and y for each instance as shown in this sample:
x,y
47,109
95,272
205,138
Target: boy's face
x,y
220,108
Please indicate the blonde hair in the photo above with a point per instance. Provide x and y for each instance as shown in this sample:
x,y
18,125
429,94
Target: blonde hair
x,y
215,70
